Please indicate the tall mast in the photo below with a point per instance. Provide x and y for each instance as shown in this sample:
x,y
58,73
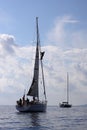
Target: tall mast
x,y
67,87
34,89
37,52
37,32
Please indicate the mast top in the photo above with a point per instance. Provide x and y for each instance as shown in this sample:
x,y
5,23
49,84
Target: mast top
x,y
36,20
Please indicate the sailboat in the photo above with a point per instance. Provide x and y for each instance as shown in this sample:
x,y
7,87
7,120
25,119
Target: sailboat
x,y
66,104
35,105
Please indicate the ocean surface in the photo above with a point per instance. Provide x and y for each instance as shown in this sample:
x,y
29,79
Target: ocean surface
x,y
55,118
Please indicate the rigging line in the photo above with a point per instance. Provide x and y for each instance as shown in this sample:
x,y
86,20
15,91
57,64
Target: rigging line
x,y
43,78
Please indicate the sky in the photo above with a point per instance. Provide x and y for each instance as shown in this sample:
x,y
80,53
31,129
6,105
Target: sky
x,y
63,36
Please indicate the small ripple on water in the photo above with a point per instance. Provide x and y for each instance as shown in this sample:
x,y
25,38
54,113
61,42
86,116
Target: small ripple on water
x,y
54,119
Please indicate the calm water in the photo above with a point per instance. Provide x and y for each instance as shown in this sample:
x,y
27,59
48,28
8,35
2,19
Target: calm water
x,y
55,118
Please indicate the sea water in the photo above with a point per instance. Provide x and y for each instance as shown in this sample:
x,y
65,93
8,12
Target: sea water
x,y
54,118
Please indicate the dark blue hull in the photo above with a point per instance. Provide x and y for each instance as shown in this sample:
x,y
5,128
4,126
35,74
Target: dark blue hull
x,y
37,107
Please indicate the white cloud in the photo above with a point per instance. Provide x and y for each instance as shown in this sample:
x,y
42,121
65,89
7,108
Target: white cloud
x,y
57,33
74,59
8,42
63,35
16,72
59,63
68,19
16,66
5,38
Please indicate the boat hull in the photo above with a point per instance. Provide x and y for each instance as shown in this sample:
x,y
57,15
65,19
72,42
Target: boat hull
x,y
65,105
37,107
